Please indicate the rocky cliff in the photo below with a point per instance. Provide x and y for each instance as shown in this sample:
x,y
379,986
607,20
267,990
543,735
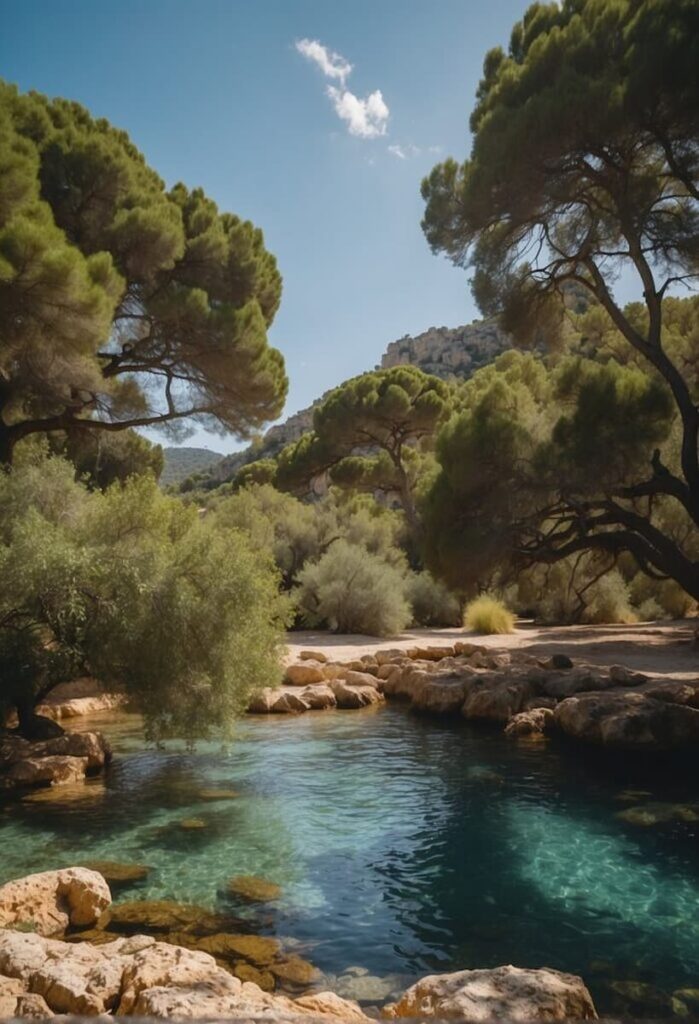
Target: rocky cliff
x,y
443,351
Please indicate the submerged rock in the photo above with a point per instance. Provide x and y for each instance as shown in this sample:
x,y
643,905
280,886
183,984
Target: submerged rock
x,y
659,813
116,873
532,723
217,794
503,993
256,890
52,900
162,916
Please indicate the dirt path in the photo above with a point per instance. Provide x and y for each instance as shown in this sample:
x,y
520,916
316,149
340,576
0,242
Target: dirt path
x,y
662,649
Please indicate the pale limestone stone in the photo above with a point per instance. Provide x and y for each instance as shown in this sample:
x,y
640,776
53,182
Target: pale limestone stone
x,y
51,900
503,993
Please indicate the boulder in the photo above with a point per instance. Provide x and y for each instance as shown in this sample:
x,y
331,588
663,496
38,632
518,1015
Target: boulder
x,y
84,696
497,696
566,683
622,676
333,670
313,656
534,722
433,653
502,994
354,696
303,674
277,700
628,721
388,654
442,694
56,770
319,697
52,900
354,678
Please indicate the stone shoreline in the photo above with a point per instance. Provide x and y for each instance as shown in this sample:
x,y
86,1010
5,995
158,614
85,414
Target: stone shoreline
x,y
140,975
613,707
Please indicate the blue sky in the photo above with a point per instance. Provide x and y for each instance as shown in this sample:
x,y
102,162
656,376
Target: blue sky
x,y
217,94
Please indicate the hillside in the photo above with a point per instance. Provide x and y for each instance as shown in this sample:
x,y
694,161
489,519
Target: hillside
x,y
446,352
182,462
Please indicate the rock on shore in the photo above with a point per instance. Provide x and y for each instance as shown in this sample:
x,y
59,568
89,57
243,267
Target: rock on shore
x,y
58,761
531,697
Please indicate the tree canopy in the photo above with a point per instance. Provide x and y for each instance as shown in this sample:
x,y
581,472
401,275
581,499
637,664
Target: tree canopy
x,y
122,304
367,429
585,165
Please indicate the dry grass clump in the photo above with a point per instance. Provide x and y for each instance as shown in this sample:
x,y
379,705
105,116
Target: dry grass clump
x,y
485,614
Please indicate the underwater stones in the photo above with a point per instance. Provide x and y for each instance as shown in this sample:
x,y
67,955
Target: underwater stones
x,y
368,988
628,721
685,1002
532,723
53,900
354,696
503,993
255,890
257,949
115,873
192,824
639,998
659,814
303,674
294,971
313,656
246,972
211,795
161,916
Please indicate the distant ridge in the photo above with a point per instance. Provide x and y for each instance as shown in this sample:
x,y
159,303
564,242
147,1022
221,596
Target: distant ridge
x,y
446,352
183,462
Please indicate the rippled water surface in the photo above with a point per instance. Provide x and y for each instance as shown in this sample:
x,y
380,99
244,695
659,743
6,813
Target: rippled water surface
x,y
402,844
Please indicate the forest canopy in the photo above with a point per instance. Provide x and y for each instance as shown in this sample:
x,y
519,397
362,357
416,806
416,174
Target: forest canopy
x,y
122,304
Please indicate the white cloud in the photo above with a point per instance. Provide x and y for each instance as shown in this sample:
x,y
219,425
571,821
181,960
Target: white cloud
x,y
406,151
366,118
333,65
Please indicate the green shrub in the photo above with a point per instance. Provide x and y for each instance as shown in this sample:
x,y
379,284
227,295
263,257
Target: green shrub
x,y
351,590
608,601
485,614
432,602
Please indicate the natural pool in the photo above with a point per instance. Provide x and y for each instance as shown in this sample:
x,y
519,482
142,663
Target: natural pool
x,y
405,845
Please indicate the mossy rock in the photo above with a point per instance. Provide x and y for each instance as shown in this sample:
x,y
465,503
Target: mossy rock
x,y
639,999
246,972
217,794
192,824
252,889
659,814
685,1002
163,916
295,972
256,949
116,873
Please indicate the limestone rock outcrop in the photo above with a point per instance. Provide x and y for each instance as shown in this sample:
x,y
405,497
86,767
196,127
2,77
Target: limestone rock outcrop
x,y
50,901
503,993
62,760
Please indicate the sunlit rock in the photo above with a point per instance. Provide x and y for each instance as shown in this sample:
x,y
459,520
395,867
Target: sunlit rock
x,y
628,721
52,900
503,993
303,674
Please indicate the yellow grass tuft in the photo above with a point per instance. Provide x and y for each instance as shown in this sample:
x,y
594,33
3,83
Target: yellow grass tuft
x,y
485,614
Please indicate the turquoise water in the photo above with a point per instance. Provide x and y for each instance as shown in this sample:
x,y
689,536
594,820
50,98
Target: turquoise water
x,y
402,844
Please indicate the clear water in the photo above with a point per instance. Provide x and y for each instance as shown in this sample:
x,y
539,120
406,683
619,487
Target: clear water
x,y
402,844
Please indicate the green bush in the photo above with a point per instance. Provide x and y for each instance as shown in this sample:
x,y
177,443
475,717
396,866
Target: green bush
x,y
432,602
608,601
351,590
134,587
485,614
